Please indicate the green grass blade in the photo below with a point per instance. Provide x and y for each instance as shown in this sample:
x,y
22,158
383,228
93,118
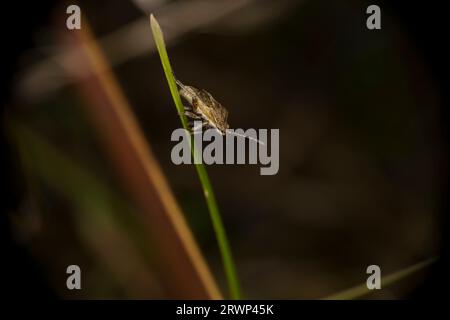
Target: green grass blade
x,y
362,290
230,270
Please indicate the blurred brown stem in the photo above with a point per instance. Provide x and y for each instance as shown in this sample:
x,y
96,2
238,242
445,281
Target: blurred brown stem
x,y
183,269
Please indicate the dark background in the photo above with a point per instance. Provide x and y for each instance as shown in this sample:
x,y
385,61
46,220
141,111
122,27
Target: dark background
x,y
22,276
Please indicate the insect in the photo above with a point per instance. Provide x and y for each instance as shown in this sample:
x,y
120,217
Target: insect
x,y
202,106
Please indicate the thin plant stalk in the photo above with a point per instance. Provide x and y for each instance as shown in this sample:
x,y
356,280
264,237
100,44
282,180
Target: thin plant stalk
x,y
184,275
362,290
224,247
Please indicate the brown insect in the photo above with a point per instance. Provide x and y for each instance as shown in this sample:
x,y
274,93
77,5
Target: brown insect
x,y
202,106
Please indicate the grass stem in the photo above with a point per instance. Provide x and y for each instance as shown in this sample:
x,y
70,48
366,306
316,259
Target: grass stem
x,y
224,247
362,290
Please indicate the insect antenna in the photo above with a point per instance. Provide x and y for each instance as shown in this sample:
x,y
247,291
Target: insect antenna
x,y
178,82
244,136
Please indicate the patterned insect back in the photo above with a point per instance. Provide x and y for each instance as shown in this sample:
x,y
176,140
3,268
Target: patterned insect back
x,y
203,106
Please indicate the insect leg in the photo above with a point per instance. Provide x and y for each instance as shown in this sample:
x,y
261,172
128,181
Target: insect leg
x,y
192,115
198,126
186,108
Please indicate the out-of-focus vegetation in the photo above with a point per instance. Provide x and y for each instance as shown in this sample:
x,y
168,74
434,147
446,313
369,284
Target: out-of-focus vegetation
x,y
360,148
225,251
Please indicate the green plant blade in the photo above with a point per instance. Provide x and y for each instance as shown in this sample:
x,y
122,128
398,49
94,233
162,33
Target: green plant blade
x,y
362,290
224,247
